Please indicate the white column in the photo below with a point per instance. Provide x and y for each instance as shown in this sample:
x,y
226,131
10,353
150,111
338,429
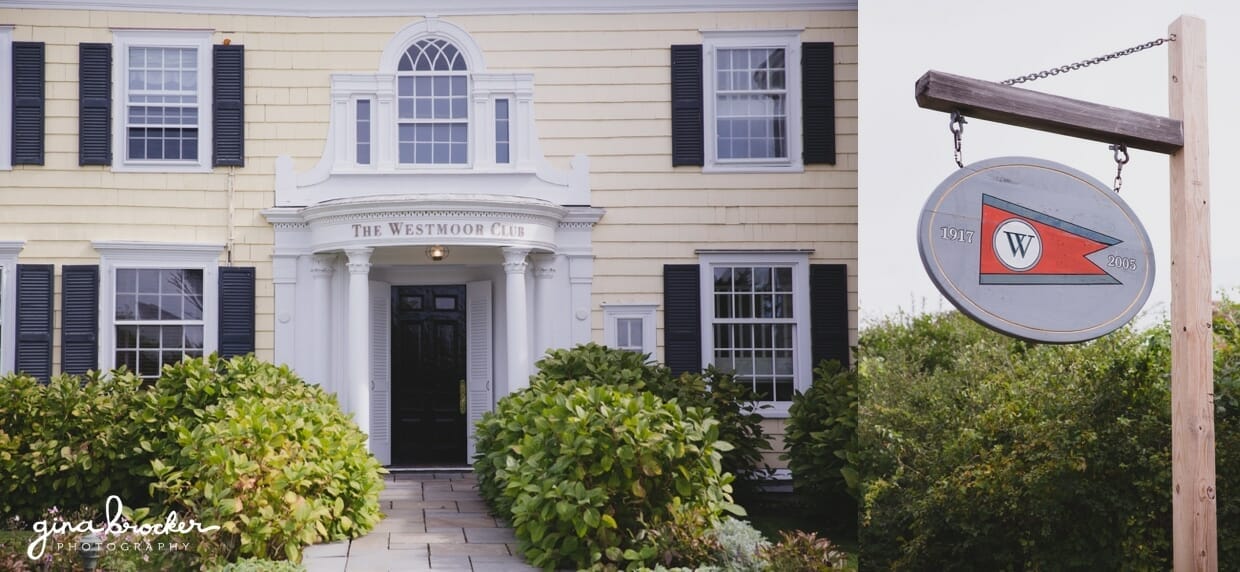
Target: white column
x,y
358,368
544,302
321,269
518,318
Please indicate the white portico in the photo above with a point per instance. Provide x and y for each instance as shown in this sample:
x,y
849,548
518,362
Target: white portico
x,y
414,162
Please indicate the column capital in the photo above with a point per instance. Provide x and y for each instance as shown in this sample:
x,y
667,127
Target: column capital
x,y
359,260
515,260
544,265
321,265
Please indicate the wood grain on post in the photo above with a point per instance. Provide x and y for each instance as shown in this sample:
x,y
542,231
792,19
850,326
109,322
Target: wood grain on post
x,y
1194,509
1036,110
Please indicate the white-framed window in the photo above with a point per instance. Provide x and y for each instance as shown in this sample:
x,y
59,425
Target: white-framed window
x,y
158,303
502,132
755,322
362,136
8,302
432,102
161,94
6,98
629,327
752,100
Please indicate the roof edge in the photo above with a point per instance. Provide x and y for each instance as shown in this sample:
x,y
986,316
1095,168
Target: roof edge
x,y
362,8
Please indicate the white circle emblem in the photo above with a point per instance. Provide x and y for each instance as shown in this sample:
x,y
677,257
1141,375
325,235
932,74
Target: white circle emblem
x,y
1017,244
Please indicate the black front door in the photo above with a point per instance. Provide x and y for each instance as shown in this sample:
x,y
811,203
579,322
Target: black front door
x,y
428,373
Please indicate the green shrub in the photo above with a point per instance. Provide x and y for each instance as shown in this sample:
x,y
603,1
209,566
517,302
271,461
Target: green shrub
x,y
238,443
255,565
1227,427
823,451
68,444
273,461
984,452
581,470
804,552
740,424
741,546
685,539
714,391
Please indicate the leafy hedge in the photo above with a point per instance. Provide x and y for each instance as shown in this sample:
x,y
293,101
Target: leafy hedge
x,y
237,443
988,453
713,391
823,451
581,469
69,444
271,459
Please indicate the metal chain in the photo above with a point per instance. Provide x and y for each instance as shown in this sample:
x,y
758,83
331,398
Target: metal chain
x,y
1121,159
957,127
1089,62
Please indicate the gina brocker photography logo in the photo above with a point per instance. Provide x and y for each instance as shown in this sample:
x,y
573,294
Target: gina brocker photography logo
x,y
123,534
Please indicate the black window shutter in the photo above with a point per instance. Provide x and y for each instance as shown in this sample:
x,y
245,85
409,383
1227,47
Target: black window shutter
x,y
27,103
94,104
79,318
828,312
818,102
236,327
682,318
687,105
34,320
228,114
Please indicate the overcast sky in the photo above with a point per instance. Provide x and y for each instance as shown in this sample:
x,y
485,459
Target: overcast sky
x,y
905,151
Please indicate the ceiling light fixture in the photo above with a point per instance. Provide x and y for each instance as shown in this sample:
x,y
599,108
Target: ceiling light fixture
x,y
437,252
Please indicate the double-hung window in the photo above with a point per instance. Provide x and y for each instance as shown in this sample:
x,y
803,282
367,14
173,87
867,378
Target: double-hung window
x,y
6,98
159,317
432,98
756,322
159,304
162,95
752,100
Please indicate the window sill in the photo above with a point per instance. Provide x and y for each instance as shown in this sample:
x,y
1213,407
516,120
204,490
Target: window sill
x,y
753,168
161,168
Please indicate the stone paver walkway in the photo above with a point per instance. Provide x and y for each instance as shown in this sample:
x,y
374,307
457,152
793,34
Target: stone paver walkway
x,y
434,521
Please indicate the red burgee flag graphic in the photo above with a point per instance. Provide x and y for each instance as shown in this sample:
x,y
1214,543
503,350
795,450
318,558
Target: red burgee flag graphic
x,y
1022,246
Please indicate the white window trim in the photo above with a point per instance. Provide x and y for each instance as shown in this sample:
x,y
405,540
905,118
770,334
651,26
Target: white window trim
x,y
803,371
612,313
6,99
8,302
790,41
122,40
124,254
340,153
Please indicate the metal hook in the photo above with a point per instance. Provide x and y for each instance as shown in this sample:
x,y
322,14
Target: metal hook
x,y
957,123
1121,153
956,126
1121,159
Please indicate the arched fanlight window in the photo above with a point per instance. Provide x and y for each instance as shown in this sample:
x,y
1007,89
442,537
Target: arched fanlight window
x,y
432,91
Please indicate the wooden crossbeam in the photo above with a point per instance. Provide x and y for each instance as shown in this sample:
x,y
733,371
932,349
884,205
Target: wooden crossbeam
x,y
1036,110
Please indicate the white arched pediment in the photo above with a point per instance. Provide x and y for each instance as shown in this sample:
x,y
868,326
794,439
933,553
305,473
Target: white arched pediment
x,y
501,115
431,28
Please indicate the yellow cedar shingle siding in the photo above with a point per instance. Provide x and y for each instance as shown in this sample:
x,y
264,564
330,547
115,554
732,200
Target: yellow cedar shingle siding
x,y
602,88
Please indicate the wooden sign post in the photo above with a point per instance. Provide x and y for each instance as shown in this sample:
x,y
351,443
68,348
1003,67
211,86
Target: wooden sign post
x,y
1185,137
1194,509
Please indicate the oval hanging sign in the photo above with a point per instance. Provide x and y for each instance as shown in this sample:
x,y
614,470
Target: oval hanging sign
x,y
1036,250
